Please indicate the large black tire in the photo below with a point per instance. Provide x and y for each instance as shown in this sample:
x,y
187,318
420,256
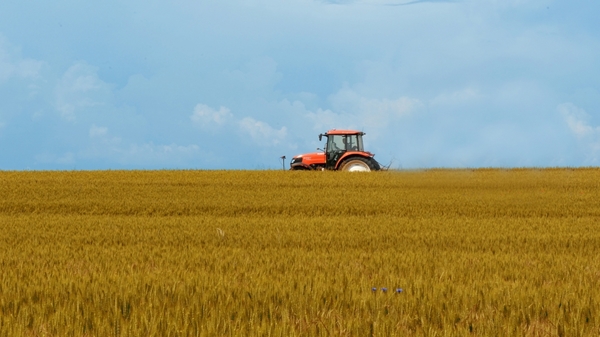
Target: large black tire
x,y
359,164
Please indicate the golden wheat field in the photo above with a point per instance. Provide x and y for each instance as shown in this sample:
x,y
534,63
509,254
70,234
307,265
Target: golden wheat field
x,y
484,252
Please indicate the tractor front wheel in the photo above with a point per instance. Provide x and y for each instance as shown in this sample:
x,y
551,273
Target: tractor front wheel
x,y
357,164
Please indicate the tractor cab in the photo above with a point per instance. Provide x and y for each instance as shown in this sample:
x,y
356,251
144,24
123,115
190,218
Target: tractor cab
x,y
343,151
338,143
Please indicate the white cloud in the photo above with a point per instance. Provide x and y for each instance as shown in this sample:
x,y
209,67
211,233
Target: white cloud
x,y
360,111
80,89
387,107
323,120
103,141
97,131
262,133
349,110
12,65
456,97
305,119
151,153
577,120
206,116
351,101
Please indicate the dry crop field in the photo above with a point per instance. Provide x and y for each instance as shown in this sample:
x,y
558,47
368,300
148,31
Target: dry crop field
x,y
484,252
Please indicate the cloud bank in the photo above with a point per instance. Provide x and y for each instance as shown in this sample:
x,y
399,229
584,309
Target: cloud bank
x,y
236,85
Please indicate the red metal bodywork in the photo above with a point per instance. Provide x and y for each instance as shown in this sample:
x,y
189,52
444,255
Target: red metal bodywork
x,y
343,132
310,160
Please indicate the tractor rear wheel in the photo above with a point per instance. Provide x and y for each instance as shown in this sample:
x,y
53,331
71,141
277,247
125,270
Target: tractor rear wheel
x,y
358,164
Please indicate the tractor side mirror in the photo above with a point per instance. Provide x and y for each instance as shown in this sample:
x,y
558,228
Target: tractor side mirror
x,y
320,136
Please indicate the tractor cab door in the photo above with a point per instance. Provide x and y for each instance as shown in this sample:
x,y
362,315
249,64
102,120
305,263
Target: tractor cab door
x,y
334,150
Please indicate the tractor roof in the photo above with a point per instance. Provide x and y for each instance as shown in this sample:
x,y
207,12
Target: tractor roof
x,y
343,132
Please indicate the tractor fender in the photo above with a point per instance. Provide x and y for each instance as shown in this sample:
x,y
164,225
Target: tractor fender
x,y
349,154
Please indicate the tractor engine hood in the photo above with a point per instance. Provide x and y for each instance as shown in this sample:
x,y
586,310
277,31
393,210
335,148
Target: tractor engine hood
x,y
310,158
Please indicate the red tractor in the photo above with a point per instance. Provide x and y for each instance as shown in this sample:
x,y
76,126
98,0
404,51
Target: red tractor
x,y
343,151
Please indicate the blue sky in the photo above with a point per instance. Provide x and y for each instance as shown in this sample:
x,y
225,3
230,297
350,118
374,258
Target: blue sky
x,y
237,84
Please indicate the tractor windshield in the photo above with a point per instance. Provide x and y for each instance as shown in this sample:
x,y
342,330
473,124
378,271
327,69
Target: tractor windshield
x,y
342,143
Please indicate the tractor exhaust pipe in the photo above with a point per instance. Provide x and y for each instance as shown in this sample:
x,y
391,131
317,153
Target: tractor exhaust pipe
x,y
282,162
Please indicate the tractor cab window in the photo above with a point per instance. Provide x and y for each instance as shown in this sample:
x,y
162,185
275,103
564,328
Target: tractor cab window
x,y
342,143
